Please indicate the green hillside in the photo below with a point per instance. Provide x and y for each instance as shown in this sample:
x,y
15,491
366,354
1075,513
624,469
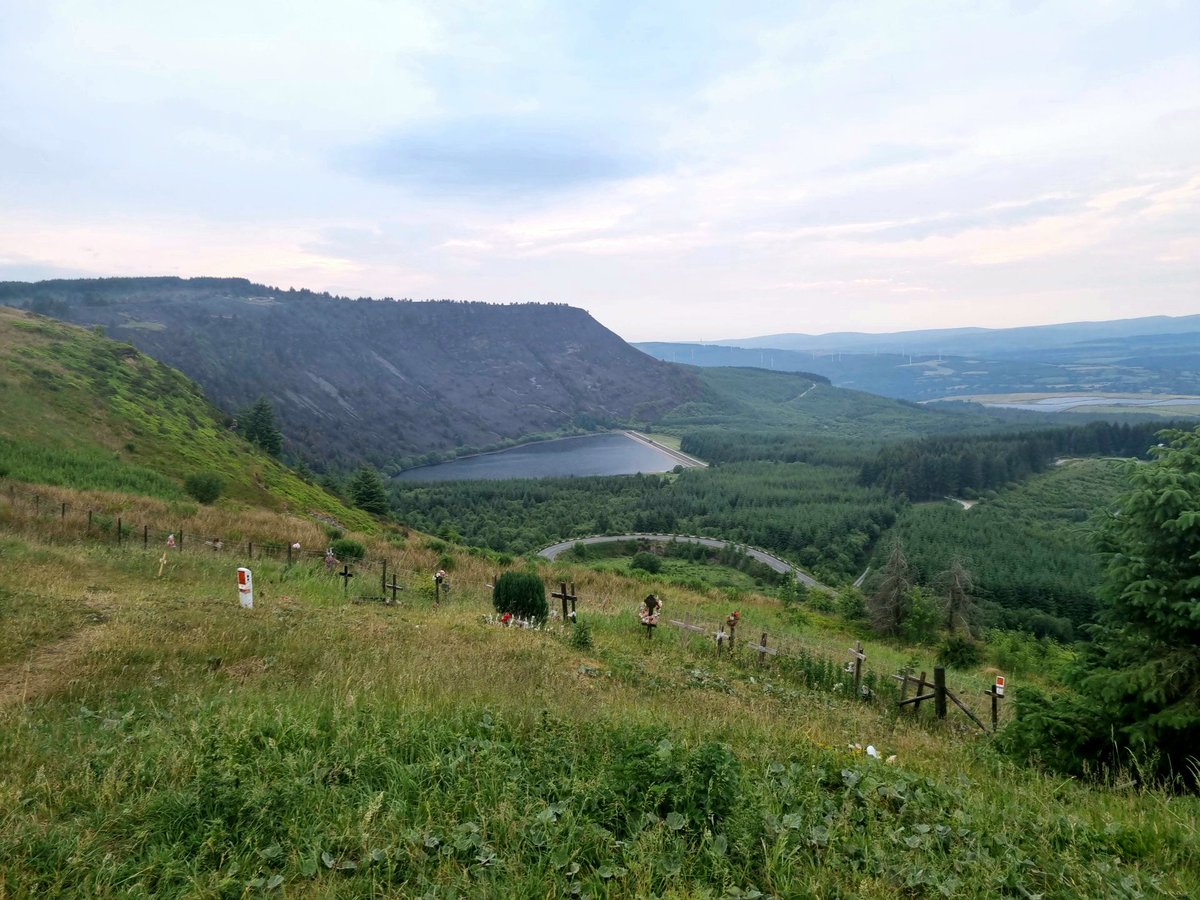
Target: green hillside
x,y
158,740
80,410
751,400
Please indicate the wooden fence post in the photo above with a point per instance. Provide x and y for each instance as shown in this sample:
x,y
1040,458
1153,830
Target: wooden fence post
x,y
904,684
118,531
64,512
939,691
180,540
921,685
859,656
89,528
145,536
250,551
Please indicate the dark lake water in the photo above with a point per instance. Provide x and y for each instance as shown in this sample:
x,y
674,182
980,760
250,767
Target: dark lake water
x,y
593,454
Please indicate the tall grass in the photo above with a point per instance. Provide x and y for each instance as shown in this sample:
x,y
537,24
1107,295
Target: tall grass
x,y
316,747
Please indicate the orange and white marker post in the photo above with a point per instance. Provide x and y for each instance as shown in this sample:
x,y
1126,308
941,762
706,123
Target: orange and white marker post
x,y
245,588
997,694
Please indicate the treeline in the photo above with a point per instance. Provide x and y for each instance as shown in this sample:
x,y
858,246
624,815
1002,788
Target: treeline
x,y
963,465
817,516
720,445
1029,549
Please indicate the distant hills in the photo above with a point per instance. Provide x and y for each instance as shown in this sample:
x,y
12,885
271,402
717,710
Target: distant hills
x,y
1158,354
976,341
377,380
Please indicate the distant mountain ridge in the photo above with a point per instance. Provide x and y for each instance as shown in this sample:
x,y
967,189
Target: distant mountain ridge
x,y
971,341
1151,355
377,380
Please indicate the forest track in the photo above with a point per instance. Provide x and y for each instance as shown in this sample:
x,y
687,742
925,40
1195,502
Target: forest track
x,y
768,559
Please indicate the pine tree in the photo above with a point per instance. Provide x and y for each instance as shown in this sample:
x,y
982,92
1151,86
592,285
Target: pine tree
x,y
368,492
1144,661
257,425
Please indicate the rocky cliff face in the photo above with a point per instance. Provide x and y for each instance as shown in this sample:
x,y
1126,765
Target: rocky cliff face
x,y
376,380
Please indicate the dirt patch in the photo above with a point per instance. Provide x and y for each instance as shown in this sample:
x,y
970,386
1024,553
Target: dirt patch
x,y
245,669
51,667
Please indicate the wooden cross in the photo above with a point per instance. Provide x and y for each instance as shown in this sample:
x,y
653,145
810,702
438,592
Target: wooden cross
x,y
763,649
856,653
393,587
563,594
345,575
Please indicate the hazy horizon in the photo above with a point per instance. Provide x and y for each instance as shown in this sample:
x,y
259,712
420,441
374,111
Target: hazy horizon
x,y
682,171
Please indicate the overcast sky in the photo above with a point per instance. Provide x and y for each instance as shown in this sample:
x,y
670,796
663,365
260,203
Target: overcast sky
x,y
681,170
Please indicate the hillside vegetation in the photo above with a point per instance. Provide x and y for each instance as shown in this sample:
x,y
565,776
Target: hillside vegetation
x,y
160,740
80,410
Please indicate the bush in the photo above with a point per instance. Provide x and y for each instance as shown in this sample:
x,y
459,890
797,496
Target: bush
x,y
205,487
581,635
920,625
851,604
822,601
347,550
959,652
647,562
522,594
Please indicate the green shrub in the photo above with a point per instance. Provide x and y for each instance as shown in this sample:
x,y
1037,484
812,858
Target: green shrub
x,y
447,562
647,562
959,652
920,625
581,635
822,601
851,604
205,487
347,550
522,594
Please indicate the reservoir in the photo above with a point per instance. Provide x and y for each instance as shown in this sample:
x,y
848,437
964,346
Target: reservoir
x,y
615,453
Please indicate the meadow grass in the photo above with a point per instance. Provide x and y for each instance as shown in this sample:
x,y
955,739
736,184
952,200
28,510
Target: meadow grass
x,y
181,746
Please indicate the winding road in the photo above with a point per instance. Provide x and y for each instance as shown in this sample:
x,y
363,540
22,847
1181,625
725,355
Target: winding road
x,y
779,565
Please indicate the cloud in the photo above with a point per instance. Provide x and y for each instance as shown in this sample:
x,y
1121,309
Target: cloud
x,y
496,156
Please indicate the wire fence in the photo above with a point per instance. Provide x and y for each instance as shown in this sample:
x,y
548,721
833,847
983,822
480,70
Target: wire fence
x,y
123,531
814,669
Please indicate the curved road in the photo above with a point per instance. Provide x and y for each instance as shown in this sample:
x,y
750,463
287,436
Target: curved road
x,y
779,565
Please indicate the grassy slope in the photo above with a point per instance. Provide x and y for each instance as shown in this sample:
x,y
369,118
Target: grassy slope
x,y
168,743
158,740
757,399
78,409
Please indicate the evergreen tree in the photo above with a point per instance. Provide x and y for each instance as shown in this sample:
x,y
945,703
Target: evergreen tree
x,y
1144,662
368,492
257,425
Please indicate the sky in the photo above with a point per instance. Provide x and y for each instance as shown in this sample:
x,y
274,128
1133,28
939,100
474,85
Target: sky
x,y
682,170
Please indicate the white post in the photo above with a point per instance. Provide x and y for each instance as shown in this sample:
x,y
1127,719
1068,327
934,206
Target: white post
x,y
245,588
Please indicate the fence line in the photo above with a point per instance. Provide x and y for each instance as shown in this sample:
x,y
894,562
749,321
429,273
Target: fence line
x,y
816,668
115,529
